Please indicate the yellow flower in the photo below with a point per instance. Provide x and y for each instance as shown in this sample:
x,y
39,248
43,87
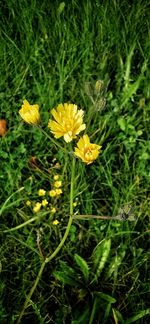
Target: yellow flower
x,y
29,113
56,177
41,192
87,151
28,202
57,184
68,121
37,207
44,202
55,222
58,192
52,193
53,210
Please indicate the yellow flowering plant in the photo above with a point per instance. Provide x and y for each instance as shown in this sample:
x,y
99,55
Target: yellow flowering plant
x,y
68,123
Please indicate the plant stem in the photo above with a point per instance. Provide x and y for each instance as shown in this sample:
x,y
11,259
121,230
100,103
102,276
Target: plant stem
x,y
52,140
27,301
49,258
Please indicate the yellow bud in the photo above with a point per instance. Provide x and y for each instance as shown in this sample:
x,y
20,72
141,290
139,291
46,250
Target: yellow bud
x,y
55,222
53,210
28,202
75,204
56,177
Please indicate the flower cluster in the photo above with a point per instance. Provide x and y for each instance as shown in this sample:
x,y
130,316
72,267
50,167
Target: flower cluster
x,y
43,200
67,123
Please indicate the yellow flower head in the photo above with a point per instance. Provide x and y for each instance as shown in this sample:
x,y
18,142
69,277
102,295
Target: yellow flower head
x,y
68,121
44,202
41,192
30,113
57,184
55,222
87,151
52,193
58,192
37,207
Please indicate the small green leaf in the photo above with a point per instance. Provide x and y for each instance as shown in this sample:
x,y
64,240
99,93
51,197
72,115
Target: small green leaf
x,y
107,312
66,275
82,265
61,8
106,297
64,278
117,316
122,123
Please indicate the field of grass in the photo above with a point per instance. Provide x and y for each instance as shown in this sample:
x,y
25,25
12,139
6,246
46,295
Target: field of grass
x,y
53,52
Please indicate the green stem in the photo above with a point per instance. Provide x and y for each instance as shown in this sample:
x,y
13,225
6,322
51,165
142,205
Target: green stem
x,y
49,258
52,140
27,301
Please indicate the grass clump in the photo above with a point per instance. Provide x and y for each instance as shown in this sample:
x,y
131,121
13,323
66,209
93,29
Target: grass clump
x,y
95,55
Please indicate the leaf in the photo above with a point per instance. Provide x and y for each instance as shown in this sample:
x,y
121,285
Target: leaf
x,y
122,123
106,297
100,256
82,265
66,275
107,312
94,310
64,278
114,265
117,316
97,253
136,317
61,8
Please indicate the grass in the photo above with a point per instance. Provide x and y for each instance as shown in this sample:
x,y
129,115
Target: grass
x,y
53,53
